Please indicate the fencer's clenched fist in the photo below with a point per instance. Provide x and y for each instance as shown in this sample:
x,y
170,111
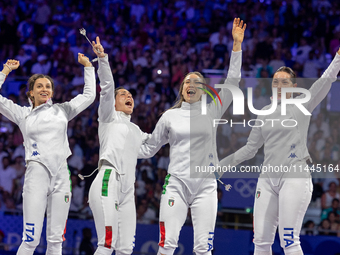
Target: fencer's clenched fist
x,y
10,65
13,63
82,59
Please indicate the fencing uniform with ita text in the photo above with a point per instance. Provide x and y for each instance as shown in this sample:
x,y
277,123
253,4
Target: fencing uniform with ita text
x,y
111,196
282,197
192,140
47,185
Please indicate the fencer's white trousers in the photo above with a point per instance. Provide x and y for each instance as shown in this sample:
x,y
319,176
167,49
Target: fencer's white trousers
x,y
175,201
43,192
114,213
282,206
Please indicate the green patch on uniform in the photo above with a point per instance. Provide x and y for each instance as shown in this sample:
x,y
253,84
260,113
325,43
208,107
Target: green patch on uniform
x,y
105,184
166,182
171,201
116,205
67,198
69,175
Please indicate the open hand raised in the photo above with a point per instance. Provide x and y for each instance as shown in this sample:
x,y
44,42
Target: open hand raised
x,y
238,30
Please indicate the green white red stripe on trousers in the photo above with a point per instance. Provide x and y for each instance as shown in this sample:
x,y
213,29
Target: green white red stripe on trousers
x,y
166,182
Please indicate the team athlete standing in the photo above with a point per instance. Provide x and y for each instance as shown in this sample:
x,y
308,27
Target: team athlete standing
x,y
282,198
44,128
111,195
192,140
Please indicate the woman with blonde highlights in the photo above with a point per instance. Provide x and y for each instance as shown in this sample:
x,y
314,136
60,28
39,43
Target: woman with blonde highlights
x,y
47,186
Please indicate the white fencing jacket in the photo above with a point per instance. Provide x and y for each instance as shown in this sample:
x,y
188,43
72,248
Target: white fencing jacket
x,y
44,128
285,146
191,135
119,138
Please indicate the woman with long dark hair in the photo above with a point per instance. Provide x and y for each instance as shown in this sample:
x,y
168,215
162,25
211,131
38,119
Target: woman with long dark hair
x,y
192,140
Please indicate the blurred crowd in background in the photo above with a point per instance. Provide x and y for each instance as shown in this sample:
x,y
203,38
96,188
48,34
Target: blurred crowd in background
x,y
152,45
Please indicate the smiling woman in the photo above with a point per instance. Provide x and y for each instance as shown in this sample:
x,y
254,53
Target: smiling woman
x,y
47,180
192,83
189,91
192,140
40,89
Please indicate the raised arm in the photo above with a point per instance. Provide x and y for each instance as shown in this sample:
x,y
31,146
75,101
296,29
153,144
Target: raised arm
x,y
234,72
321,87
155,141
106,109
9,109
82,101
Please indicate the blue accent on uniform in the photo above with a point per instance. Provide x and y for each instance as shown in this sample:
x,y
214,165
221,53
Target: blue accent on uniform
x,y
29,238
35,153
291,235
292,146
210,246
292,155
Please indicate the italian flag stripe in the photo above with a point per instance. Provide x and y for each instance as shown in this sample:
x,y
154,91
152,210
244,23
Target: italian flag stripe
x,y
166,182
106,182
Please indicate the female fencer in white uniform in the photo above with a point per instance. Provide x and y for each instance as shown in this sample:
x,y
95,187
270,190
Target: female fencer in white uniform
x,y
111,195
192,140
47,180
282,198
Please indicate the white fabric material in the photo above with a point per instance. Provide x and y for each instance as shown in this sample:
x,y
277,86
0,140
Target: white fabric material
x,y
25,249
283,201
101,250
119,138
277,150
54,248
174,215
43,192
116,210
285,206
44,127
257,252
191,135
263,249
192,140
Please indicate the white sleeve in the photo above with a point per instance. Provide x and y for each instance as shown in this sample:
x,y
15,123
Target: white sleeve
x,y
156,140
82,101
106,109
233,78
9,109
145,136
321,87
254,142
